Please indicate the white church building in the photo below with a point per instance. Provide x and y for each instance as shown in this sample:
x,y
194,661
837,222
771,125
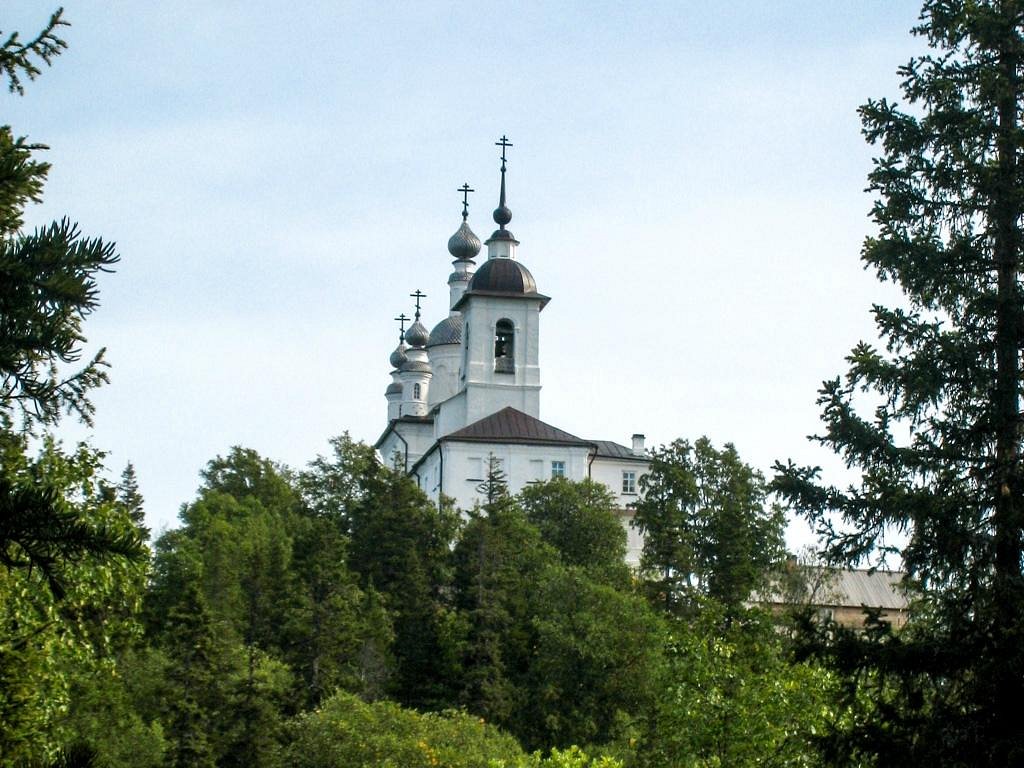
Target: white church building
x,y
470,388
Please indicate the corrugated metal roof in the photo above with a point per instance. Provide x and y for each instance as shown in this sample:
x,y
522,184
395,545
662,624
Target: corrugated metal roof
x,y
848,588
513,426
612,450
874,589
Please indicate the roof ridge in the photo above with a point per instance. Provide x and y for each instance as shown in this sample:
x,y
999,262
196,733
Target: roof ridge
x,y
510,423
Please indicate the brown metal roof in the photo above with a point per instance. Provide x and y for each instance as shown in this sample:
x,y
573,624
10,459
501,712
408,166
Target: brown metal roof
x,y
512,426
612,450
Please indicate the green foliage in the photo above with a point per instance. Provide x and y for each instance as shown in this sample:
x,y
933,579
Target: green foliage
x,y
64,623
940,455
332,486
596,658
708,530
400,546
346,731
18,59
244,474
732,698
498,559
580,520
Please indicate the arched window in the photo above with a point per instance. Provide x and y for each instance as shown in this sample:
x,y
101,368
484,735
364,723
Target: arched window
x,y
415,391
504,347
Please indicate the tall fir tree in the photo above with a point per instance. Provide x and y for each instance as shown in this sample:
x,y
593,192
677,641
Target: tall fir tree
x,y
940,458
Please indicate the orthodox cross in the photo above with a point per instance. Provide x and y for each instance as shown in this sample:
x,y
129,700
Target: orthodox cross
x,y
465,190
504,144
402,320
418,295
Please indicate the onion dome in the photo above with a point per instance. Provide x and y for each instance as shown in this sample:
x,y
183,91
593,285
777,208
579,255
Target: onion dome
x,y
448,331
503,276
417,335
394,388
398,356
416,366
464,245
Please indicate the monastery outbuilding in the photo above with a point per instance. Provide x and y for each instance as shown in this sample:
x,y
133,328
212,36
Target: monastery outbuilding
x,y
469,389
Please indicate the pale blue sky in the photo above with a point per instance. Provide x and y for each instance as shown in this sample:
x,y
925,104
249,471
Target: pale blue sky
x,y
686,183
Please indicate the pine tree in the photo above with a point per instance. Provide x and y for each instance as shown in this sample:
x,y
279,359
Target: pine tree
x,y
940,459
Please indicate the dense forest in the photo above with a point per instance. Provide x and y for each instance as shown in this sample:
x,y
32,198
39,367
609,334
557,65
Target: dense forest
x,y
332,616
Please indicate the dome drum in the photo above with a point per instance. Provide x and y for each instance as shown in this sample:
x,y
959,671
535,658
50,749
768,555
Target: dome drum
x,y
415,366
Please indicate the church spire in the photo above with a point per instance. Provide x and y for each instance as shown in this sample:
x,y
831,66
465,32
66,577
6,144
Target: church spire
x,y
502,215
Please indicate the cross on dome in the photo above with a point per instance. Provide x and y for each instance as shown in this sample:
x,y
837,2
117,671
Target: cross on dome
x,y
504,143
418,295
402,320
465,190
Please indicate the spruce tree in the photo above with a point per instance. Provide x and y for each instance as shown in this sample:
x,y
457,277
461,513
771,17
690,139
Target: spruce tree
x,y
940,456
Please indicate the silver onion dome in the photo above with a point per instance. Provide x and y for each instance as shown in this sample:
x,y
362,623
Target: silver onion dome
x,y
464,245
398,356
394,388
417,335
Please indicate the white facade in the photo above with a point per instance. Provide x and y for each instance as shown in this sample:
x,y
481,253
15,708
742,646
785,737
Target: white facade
x,y
472,390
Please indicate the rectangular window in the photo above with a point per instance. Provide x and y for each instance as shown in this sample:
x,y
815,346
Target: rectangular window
x,y
536,470
629,482
558,469
475,469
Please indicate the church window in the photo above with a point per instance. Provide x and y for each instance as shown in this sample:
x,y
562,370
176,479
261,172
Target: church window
x,y
415,391
629,482
475,469
558,469
504,347
536,470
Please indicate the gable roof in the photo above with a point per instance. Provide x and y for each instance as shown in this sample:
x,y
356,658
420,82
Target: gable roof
x,y
607,449
875,589
849,588
512,426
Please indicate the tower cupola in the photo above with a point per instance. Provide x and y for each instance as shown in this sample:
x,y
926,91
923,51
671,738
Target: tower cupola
x,y
415,373
393,393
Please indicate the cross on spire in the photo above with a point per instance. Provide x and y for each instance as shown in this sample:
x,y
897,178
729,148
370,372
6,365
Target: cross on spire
x,y
418,295
502,214
465,190
402,320
504,144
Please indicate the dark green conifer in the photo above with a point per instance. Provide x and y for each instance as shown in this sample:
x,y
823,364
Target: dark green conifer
x,y
942,479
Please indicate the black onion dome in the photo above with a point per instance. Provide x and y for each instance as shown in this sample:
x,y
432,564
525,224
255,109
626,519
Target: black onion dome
x,y
464,245
417,334
448,331
398,356
503,276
